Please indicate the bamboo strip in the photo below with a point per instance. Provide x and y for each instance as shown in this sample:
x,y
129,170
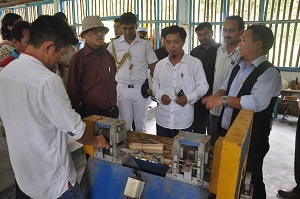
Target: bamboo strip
x,y
294,37
286,36
250,9
148,148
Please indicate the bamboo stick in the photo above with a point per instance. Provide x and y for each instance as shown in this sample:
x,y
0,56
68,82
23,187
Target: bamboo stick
x,y
148,148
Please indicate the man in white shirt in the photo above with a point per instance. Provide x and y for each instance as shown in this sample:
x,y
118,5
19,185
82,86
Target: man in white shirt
x,y
178,82
133,57
228,56
37,114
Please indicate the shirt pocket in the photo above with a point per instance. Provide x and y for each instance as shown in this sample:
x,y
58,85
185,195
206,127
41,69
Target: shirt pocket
x,y
188,83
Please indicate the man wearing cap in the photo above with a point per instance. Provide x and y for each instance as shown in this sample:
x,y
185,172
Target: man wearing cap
x,y
142,32
133,57
91,82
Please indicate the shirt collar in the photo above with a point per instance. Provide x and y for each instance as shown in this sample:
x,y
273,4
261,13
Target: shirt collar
x,y
137,38
214,44
255,63
224,49
183,59
86,50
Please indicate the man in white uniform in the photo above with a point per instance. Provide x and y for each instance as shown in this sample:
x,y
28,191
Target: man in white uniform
x,y
37,114
133,57
178,82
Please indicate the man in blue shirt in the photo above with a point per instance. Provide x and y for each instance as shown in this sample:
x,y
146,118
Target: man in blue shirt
x,y
253,84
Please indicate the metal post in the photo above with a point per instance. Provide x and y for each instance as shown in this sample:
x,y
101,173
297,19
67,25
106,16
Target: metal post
x,y
157,26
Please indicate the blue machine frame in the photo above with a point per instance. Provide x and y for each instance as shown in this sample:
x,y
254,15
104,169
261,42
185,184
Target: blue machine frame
x,y
103,179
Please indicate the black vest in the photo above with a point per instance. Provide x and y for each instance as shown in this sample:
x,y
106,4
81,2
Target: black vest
x,y
262,120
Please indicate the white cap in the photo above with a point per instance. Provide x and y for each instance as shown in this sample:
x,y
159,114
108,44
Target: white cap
x,y
142,29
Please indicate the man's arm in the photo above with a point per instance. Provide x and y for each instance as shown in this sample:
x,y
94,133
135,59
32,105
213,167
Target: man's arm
x,y
150,57
215,100
151,67
96,141
199,82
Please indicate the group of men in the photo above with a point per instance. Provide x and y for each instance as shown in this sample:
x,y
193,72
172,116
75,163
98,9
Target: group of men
x,y
107,80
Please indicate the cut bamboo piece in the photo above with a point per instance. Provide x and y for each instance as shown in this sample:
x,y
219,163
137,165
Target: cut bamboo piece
x,y
148,148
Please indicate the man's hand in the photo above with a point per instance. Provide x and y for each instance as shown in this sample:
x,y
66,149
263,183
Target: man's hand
x,y
213,101
182,100
101,142
165,99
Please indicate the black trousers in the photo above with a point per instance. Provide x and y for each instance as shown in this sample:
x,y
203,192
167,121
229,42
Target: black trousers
x,y
257,151
201,118
297,158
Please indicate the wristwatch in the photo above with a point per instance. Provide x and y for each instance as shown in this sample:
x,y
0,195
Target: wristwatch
x,y
224,100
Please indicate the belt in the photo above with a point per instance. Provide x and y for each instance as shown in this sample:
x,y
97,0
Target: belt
x,y
131,86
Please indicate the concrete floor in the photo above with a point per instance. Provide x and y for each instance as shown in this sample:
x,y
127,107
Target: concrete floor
x,y
278,165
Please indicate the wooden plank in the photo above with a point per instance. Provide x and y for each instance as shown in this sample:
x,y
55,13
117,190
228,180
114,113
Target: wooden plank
x,y
214,177
233,159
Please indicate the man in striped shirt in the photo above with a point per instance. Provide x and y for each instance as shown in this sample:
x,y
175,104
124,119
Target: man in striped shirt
x,y
227,56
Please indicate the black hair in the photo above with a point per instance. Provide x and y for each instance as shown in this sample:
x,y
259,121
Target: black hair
x,y
128,18
61,15
8,20
203,25
117,20
264,34
51,28
241,23
17,30
175,29
163,31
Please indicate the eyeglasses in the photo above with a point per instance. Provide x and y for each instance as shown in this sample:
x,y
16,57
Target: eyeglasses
x,y
97,30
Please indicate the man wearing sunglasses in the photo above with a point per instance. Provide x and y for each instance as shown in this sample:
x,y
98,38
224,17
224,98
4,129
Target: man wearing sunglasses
x,y
91,83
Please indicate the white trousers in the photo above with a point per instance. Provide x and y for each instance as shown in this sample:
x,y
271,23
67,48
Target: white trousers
x,y
132,105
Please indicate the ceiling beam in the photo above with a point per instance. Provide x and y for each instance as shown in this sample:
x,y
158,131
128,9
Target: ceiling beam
x,y
10,3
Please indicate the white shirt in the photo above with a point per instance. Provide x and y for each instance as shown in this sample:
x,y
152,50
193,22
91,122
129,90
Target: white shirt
x,y
142,55
37,114
224,63
187,75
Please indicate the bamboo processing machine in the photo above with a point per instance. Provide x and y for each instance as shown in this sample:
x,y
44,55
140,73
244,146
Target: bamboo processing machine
x,y
185,167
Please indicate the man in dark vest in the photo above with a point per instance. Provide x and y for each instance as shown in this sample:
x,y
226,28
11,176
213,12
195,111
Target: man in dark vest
x,y
253,84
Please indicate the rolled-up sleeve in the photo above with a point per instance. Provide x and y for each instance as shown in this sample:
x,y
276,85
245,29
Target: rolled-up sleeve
x,y
268,85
